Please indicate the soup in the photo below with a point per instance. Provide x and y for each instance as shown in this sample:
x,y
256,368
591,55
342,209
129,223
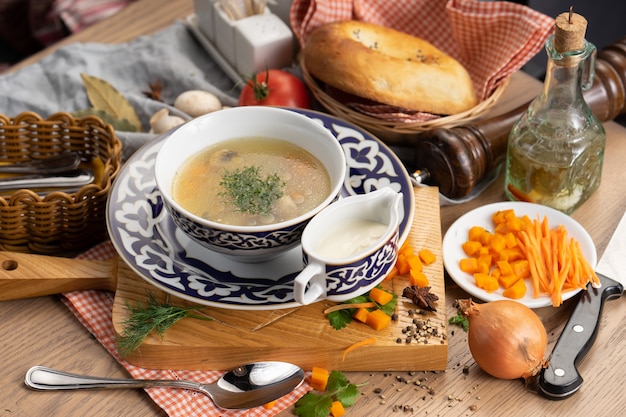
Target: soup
x,y
251,181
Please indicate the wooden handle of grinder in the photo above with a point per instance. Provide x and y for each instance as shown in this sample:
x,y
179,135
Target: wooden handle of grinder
x,y
456,159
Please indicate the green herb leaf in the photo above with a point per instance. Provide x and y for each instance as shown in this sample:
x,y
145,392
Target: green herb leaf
x,y
318,405
460,320
341,318
249,192
144,319
313,405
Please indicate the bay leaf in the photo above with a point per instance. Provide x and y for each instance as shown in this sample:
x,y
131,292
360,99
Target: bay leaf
x,y
103,96
118,124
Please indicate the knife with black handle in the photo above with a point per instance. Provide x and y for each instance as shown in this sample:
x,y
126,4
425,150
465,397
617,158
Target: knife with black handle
x,y
560,379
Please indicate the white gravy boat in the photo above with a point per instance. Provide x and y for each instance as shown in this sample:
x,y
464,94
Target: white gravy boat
x,y
349,247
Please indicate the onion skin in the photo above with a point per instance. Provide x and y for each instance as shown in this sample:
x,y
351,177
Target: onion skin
x,y
506,338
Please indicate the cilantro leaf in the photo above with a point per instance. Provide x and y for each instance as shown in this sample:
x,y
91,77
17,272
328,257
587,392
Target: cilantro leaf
x,y
460,320
313,405
341,318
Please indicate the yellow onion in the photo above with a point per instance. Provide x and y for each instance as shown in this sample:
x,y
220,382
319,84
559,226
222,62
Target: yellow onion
x,y
506,338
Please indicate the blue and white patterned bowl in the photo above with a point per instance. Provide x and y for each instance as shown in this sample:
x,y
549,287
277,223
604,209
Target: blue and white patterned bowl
x,y
247,243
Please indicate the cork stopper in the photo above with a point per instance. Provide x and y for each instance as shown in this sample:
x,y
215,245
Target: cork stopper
x,y
569,34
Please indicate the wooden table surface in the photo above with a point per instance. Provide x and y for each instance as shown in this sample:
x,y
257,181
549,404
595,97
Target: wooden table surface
x,y
44,331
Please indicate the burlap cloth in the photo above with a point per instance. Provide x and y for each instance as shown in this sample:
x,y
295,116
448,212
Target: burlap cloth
x,y
491,39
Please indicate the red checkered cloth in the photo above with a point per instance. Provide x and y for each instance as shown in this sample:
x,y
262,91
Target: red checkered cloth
x,y
94,310
492,39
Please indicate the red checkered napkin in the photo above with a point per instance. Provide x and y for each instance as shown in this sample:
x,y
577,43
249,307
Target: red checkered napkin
x,y
94,310
491,39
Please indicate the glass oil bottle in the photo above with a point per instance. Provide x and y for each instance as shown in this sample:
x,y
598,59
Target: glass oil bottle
x,y
556,149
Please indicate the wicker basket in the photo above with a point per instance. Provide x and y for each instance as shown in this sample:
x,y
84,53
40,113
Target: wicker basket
x,y
377,125
57,222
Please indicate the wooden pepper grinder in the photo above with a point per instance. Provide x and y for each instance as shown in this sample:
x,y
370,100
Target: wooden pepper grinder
x,y
456,159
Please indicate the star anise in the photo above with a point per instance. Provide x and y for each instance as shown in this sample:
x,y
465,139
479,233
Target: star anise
x,y
156,89
421,297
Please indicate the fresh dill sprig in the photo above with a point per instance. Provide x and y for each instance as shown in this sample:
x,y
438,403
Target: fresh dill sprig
x,y
249,192
144,318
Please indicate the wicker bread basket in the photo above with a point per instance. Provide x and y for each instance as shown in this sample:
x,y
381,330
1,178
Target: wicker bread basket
x,y
377,125
57,222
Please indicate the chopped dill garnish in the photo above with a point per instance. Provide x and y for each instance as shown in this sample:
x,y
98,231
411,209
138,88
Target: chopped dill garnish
x,y
144,319
251,193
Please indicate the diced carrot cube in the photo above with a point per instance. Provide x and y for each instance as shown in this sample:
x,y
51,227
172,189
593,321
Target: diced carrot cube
x,y
319,378
418,278
521,268
507,281
475,233
510,240
361,314
427,256
497,242
469,265
486,282
403,264
337,409
415,263
382,297
517,290
471,247
378,319
505,267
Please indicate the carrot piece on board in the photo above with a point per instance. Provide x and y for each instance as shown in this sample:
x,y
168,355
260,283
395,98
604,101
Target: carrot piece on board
x,y
378,319
403,264
427,256
337,409
381,296
361,343
415,263
361,314
319,378
418,279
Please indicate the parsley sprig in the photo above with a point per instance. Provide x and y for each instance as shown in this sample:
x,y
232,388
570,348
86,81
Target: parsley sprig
x,y
314,404
341,318
144,318
249,191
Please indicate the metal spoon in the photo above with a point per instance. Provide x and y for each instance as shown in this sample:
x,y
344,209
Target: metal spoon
x,y
53,165
246,386
73,178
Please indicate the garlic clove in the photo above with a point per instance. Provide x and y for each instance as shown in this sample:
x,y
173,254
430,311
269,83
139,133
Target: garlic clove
x,y
162,121
197,102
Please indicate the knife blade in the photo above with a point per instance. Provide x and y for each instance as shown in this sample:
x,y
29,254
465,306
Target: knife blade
x,y
560,379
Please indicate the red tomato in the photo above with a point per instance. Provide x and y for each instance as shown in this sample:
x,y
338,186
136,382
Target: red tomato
x,y
274,88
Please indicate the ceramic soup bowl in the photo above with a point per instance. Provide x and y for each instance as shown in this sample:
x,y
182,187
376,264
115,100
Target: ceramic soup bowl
x,y
256,242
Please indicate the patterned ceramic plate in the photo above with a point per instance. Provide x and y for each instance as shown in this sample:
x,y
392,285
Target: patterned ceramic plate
x,y
148,241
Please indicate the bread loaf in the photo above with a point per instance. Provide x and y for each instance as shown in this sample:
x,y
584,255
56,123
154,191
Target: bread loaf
x,y
388,66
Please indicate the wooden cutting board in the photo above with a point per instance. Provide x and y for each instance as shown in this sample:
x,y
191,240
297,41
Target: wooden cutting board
x,y
300,335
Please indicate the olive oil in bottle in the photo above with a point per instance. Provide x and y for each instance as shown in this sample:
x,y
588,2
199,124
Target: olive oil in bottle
x,y
555,150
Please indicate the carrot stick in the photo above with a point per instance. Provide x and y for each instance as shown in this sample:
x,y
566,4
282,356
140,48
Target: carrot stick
x,y
364,342
349,305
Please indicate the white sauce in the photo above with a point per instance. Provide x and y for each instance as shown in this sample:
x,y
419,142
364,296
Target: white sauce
x,y
350,238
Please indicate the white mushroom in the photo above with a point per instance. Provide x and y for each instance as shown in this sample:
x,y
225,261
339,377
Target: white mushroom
x,y
197,102
162,121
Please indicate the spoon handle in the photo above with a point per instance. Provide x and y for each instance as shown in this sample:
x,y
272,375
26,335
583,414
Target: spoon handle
x,y
43,378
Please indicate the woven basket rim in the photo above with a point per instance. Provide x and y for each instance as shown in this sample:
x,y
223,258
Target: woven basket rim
x,y
369,122
62,118
57,221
